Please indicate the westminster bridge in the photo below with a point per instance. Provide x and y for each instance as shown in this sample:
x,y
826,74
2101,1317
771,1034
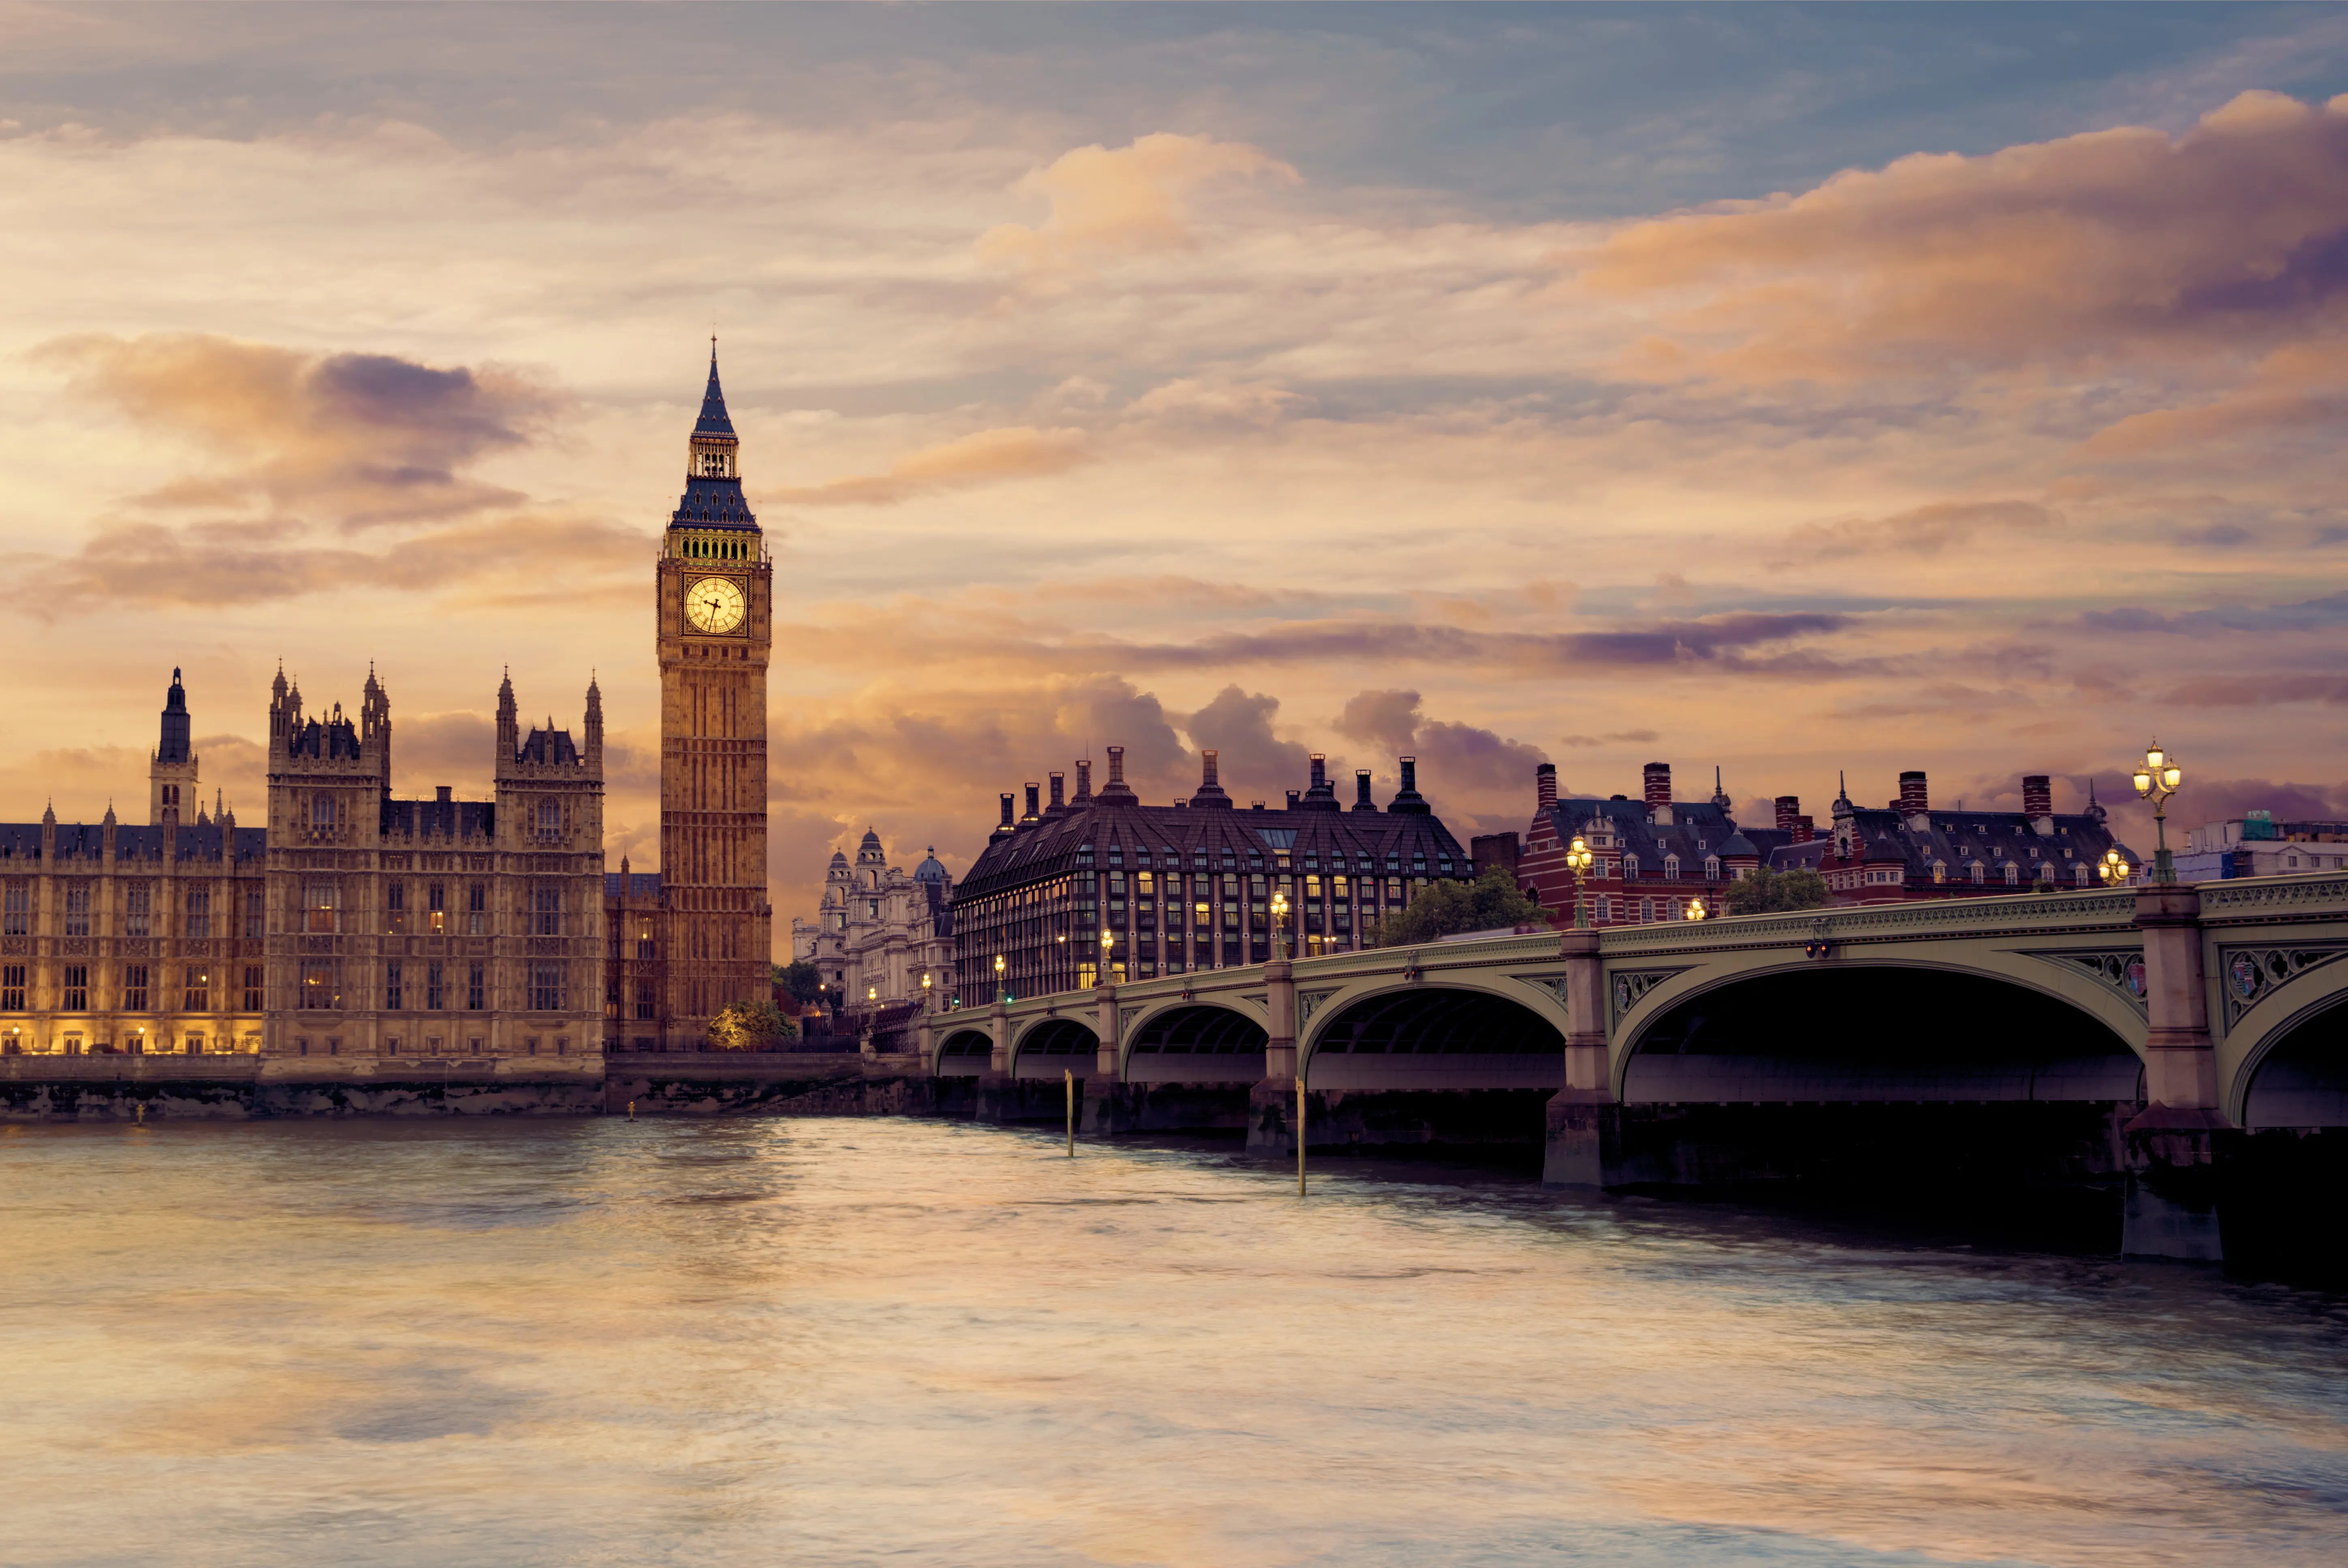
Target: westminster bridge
x,y
2159,1040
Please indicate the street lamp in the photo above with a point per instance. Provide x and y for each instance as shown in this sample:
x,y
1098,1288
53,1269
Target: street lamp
x,y
2114,868
1109,940
1695,909
1279,918
1578,860
998,977
925,990
2157,780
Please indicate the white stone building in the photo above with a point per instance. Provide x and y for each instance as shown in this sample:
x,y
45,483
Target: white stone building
x,y
879,930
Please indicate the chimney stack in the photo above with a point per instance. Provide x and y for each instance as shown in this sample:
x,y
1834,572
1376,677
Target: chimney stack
x,y
1790,813
1362,801
1292,799
1115,790
1544,786
1659,784
1319,770
1083,783
1006,810
2038,801
1804,830
1407,800
1035,812
1059,794
1210,790
1914,799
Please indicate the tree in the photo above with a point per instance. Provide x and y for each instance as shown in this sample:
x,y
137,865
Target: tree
x,y
1492,903
801,981
1768,893
746,1025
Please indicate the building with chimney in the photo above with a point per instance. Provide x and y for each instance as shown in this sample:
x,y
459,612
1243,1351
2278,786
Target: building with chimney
x,y
1650,858
878,931
698,934
1184,887
353,926
1911,850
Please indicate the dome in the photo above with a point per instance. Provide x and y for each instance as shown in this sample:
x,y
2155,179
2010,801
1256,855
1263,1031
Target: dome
x,y
839,858
929,870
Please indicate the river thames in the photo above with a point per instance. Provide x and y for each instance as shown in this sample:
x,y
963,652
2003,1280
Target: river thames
x,y
893,1341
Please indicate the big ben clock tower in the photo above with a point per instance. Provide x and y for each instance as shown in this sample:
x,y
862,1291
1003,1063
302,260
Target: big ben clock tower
x,y
715,608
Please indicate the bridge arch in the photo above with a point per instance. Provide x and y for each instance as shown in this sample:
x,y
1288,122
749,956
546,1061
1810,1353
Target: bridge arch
x,y
1195,1042
1456,1031
964,1052
2271,1002
1052,1046
1852,1031
2093,981
2293,1071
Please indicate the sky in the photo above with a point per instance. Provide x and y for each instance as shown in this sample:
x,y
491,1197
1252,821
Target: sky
x,y
1808,393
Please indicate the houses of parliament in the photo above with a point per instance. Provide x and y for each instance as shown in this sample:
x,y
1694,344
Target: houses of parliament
x,y
351,924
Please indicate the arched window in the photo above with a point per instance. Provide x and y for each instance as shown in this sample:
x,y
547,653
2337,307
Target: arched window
x,y
1980,872
1939,870
2013,874
1712,868
1671,868
1630,867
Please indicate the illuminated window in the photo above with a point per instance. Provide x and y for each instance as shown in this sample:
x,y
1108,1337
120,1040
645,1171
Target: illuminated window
x,y
321,904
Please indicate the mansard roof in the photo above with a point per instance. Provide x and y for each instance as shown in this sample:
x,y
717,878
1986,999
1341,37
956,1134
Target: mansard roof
x,y
189,841
1110,833
330,738
548,746
1698,829
440,819
1960,838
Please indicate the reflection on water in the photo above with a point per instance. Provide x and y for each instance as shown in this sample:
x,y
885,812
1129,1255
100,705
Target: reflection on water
x,y
846,1342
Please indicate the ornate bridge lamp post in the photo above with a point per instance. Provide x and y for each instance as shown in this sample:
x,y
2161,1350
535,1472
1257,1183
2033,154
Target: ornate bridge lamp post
x,y
925,991
1578,860
1000,994
2157,780
1278,920
2114,868
1109,940
1695,909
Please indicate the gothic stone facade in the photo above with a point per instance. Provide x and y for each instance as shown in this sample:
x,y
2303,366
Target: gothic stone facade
x,y
355,925
698,933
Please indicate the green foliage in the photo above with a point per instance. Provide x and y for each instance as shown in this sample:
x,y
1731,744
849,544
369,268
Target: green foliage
x,y
1492,903
1768,893
802,981
746,1025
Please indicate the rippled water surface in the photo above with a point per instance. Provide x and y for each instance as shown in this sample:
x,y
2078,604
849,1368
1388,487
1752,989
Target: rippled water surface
x,y
846,1342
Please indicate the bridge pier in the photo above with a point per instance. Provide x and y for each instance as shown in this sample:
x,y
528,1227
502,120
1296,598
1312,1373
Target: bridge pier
x,y
998,1097
2173,1148
1583,1140
1271,1104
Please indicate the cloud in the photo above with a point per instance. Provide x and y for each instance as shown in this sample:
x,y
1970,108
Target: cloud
x,y
1252,763
1924,529
1455,759
2305,615
1619,737
2075,251
1213,400
210,565
1019,452
1111,201
354,438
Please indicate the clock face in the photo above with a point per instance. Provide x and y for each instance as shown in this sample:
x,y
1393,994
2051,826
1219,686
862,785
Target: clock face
x,y
714,604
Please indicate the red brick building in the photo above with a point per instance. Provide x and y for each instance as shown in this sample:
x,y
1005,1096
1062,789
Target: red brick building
x,y
1651,857
1909,851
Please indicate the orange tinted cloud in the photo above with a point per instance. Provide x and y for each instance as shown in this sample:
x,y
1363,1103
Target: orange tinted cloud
x,y
1019,452
354,438
2081,250
1108,201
